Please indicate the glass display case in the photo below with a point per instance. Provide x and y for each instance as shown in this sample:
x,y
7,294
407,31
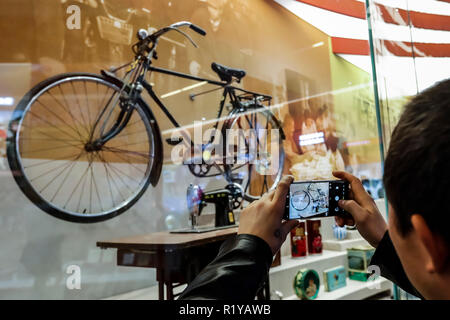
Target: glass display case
x,y
409,52
322,96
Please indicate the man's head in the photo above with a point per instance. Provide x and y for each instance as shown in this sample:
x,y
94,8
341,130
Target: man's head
x,y
417,181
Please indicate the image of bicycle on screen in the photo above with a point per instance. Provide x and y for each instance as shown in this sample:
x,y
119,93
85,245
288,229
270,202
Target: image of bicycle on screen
x,y
309,199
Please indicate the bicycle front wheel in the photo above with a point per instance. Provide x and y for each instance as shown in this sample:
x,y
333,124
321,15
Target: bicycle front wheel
x,y
48,154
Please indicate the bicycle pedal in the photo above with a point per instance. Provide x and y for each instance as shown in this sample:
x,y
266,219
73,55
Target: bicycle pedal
x,y
174,142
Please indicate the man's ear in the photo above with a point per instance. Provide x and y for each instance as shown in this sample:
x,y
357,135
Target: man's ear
x,y
433,243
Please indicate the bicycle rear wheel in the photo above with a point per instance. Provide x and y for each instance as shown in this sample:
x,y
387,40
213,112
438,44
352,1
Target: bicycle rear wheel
x,y
48,154
258,155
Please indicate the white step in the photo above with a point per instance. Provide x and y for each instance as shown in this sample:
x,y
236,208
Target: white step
x,y
353,234
343,245
355,290
282,277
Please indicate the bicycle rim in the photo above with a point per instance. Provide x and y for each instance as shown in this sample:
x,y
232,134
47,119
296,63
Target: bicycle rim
x,y
47,151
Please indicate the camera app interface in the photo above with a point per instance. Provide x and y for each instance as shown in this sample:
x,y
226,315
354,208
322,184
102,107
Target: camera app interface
x,y
309,200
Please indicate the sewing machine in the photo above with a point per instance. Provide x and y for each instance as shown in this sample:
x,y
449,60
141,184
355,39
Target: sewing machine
x,y
225,201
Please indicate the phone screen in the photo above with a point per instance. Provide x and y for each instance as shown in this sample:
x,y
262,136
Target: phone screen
x,y
313,199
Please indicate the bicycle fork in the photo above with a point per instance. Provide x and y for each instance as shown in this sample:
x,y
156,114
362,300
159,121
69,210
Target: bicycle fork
x,y
127,105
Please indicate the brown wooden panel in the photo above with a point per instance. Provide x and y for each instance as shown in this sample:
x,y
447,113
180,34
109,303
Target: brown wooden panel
x,y
167,241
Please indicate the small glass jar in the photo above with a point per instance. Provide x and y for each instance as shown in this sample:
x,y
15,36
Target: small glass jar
x,y
298,241
313,229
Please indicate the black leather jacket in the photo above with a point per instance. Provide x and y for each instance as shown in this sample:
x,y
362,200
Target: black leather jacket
x,y
242,266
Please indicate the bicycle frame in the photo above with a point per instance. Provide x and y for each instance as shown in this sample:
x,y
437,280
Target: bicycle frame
x,y
229,92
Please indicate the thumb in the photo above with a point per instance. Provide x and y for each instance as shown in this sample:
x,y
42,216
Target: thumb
x,y
352,207
287,226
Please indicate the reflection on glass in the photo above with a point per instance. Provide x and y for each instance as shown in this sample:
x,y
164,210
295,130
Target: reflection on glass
x,y
324,102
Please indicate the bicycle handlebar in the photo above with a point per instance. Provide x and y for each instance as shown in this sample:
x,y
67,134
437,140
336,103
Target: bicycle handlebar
x,y
197,29
191,25
145,38
176,27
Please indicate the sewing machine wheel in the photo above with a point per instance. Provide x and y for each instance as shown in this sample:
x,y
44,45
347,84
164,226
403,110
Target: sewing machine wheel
x,y
200,170
238,195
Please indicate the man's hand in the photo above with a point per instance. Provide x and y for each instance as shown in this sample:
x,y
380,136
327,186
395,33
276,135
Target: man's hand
x,y
263,218
369,221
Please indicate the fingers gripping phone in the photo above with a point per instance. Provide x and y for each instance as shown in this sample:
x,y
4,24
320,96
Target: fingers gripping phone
x,y
315,199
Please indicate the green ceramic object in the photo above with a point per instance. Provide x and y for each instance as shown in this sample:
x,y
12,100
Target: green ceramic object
x,y
307,284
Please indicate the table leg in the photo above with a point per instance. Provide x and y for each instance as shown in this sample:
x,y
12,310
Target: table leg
x,y
169,287
267,289
160,284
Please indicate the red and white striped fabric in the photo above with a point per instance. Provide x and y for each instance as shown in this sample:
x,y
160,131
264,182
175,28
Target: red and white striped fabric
x,y
428,38
344,21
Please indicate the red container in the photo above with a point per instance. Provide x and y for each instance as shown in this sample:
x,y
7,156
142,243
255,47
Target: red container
x,y
314,236
298,241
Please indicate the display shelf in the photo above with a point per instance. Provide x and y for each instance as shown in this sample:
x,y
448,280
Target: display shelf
x,y
352,235
355,290
281,277
343,245
288,262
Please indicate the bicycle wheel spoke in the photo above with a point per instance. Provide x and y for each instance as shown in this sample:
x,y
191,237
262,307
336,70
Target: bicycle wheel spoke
x,y
110,113
40,139
128,161
65,110
130,144
138,154
56,148
53,169
98,195
44,134
85,125
113,169
114,182
90,193
87,104
82,190
68,110
58,117
251,127
99,111
51,181
53,126
76,187
128,176
122,136
108,176
245,140
49,161
64,181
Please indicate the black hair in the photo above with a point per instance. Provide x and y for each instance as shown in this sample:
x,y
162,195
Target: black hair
x,y
417,167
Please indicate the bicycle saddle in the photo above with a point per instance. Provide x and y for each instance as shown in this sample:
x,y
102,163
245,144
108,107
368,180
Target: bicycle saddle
x,y
226,74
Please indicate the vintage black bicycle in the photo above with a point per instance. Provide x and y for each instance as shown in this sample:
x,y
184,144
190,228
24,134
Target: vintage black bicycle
x,y
85,147
301,200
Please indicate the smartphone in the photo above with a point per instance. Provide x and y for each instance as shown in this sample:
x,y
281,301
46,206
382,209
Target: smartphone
x,y
315,199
